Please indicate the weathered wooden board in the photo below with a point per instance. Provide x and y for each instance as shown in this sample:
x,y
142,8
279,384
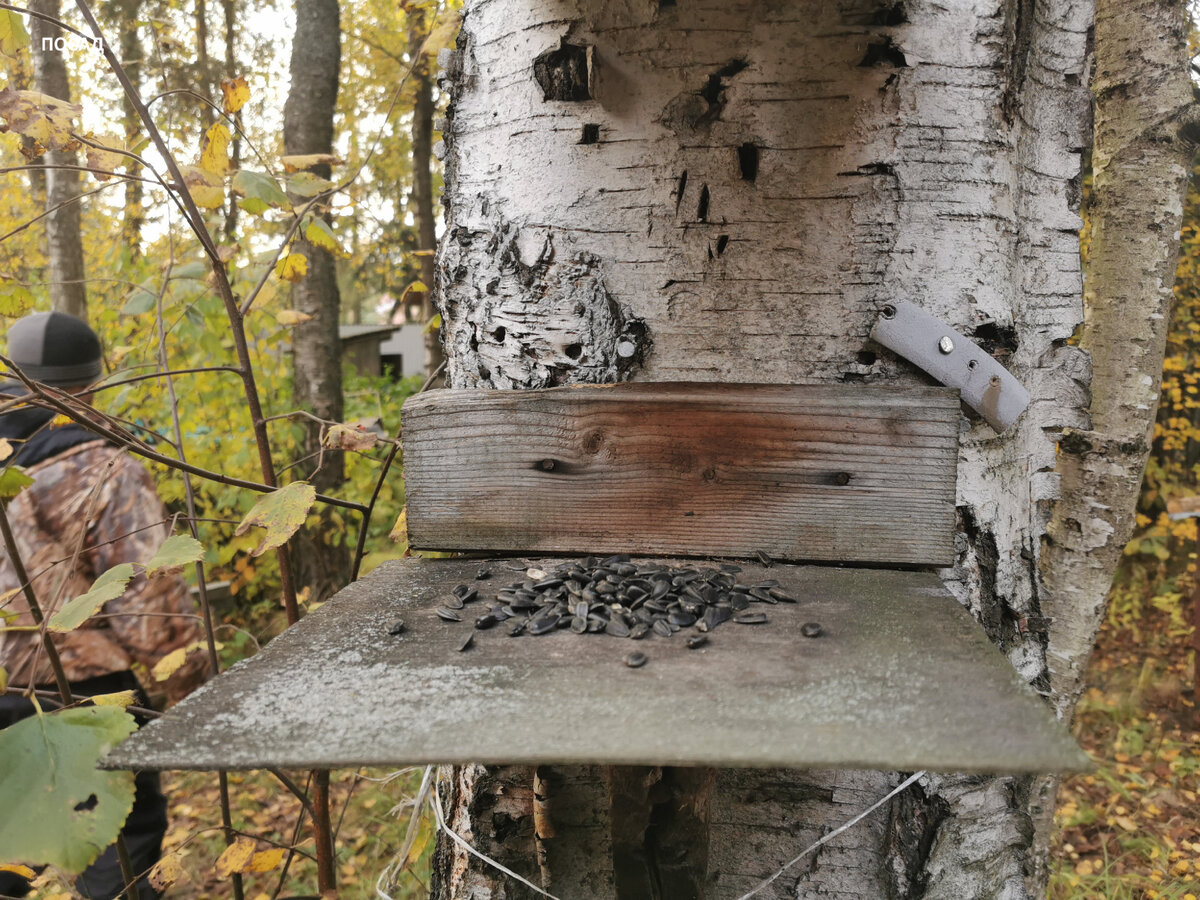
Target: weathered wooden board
x,y
801,472
901,679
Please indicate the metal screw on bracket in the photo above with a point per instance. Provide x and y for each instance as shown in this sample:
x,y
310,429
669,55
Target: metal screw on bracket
x,y
946,345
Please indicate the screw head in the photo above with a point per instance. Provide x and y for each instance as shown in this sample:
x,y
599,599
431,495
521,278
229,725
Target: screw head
x,y
946,345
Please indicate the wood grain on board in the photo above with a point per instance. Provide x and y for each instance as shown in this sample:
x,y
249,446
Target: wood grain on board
x,y
800,472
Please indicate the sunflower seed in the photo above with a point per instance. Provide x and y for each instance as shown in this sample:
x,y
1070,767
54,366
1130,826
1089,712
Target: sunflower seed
x,y
812,629
635,660
397,627
750,618
448,615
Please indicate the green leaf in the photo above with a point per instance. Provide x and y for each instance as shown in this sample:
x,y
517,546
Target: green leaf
x,y
195,271
253,206
281,512
15,300
306,184
141,299
175,553
12,482
48,769
433,324
108,586
13,36
261,191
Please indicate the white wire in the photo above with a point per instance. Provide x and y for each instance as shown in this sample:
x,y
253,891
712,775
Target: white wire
x,y
437,811
862,815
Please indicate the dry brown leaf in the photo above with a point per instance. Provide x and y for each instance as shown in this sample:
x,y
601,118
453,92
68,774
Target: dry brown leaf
x,y
166,872
348,437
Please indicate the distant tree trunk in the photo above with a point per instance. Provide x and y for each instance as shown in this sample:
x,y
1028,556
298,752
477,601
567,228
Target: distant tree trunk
x,y
732,190
64,244
130,47
203,63
1146,131
235,147
422,191
316,351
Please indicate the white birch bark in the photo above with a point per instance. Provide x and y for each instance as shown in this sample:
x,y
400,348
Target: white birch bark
x,y
747,184
1146,130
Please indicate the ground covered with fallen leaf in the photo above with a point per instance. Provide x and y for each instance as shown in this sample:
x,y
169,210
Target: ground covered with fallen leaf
x,y
1131,829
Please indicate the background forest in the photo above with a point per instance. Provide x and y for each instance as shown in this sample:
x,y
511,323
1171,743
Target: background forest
x,y
305,236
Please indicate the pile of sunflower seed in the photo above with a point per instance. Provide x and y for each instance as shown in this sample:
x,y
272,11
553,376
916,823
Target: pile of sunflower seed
x,y
618,597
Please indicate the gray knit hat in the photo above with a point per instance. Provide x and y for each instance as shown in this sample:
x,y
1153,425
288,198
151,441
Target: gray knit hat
x,y
55,348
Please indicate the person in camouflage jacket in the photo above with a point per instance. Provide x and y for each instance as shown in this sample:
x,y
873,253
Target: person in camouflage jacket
x,y
90,507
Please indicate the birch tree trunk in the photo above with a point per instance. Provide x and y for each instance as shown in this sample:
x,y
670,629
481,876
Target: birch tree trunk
x,y
1146,130
64,244
316,349
731,190
422,178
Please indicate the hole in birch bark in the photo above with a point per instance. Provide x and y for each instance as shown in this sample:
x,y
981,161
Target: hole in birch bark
x,y
748,161
573,351
714,87
997,340
499,334
591,134
865,358
562,74
884,53
680,188
702,206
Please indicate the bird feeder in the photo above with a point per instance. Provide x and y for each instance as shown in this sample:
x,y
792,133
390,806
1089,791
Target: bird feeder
x,y
842,496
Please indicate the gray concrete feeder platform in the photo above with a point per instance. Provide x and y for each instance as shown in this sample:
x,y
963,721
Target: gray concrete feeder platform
x,y
901,678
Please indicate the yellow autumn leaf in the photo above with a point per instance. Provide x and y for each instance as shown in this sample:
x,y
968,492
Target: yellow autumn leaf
x,y
290,317
171,663
118,354
292,267
6,449
236,93
399,531
214,151
43,119
166,872
266,860
207,189
308,160
102,160
23,871
236,857
120,698
318,233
